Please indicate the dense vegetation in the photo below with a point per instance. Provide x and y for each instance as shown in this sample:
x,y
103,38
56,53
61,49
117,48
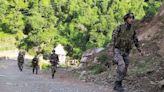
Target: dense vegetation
x,y
77,24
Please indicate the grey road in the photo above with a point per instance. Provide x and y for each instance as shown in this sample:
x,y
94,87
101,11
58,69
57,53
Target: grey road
x,y
12,80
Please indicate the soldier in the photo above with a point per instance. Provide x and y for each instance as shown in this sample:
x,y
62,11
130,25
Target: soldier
x,y
123,37
35,63
54,61
20,59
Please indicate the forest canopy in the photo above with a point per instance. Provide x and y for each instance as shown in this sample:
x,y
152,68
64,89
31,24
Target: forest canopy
x,y
77,24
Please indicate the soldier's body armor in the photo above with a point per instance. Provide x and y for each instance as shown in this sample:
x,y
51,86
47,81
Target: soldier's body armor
x,y
21,58
124,41
54,59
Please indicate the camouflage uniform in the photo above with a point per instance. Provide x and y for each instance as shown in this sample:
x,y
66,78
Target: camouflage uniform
x,y
54,61
35,64
124,36
20,60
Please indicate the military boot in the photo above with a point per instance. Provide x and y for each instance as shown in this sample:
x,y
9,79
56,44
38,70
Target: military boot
x,y
118,86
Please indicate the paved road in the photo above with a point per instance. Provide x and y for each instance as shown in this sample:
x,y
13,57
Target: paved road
x,y
12,80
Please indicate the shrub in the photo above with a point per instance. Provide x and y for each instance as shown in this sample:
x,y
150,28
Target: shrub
x,y
103,59
97,69
44,64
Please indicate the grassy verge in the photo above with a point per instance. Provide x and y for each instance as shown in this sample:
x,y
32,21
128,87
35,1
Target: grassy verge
x,y
7,41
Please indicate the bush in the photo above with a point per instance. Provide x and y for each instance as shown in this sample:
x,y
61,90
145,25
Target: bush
x,y
32,51
7,41
97,69
152,8
19,35
44,64
103,59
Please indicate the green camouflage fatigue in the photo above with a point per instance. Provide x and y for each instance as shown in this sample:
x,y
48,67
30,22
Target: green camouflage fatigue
x,y
54,61
20,60
124,36
35,64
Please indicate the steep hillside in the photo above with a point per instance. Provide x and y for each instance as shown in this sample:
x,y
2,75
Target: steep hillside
x,y
146,73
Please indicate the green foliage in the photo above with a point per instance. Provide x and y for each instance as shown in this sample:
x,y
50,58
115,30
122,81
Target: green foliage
x,y
7,41
152,7
19,35
44,65
77,24
97,69
103,59
31,51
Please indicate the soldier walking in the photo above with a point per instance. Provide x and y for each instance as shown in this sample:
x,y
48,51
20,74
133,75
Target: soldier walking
x,y
54,62
123,37
35,63
20,60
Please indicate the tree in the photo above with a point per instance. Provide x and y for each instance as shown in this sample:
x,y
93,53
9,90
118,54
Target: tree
x,y
77,24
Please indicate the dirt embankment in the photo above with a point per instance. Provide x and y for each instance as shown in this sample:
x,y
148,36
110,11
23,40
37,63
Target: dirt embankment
x,y
146,73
